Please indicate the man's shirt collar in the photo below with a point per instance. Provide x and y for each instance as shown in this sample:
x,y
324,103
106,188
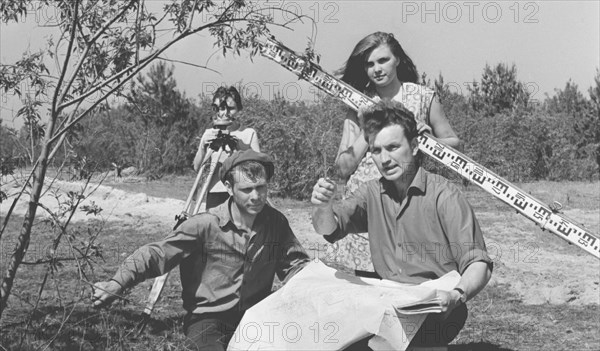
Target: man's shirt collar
x,y
224,214
419,183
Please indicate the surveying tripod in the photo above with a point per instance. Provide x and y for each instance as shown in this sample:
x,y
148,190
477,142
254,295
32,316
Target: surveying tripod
x,y
193,205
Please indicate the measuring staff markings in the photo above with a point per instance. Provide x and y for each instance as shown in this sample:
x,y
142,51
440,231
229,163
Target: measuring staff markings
x,y
535,210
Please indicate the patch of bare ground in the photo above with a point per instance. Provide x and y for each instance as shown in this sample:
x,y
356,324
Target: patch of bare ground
x,y
543,294
538,265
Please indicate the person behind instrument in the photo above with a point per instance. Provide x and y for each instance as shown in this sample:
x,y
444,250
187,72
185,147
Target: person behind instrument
x,y
226,104
379,67
228,256
420,225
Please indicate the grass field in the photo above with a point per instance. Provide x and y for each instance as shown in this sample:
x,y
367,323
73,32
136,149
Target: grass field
x,y
543,297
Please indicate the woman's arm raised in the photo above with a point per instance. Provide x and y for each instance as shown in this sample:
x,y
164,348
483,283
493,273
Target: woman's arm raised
x,y
353,146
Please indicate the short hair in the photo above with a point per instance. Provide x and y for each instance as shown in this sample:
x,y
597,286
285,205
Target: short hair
x,y
223,93
253,170
385,113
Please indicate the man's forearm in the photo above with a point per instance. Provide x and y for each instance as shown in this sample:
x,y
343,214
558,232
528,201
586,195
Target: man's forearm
x,y
324,220
146,262
475,278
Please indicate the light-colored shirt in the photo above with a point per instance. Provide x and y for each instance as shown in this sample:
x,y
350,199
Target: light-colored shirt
x,y
429,233
245,139
222,267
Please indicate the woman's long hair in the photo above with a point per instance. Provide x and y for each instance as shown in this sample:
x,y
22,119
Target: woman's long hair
x,y
353,72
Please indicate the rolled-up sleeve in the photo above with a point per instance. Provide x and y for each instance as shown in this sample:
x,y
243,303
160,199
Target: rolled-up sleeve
x,y
293,257
158,258
464,233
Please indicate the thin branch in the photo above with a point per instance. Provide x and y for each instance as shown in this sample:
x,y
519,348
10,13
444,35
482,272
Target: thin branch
x,y
137,34
37,300
58,172
226,11
131,71
120,297
297,16
55,218
147,60
59,331
190,64
40,261
54,259
92,91
213,54
26,149
66,61
159,21
189,26
83,257
12,207
62,138
82,34
88,46
56,56
144,61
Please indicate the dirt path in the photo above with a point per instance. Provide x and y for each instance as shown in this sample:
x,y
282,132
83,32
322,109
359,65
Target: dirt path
x,y
539,266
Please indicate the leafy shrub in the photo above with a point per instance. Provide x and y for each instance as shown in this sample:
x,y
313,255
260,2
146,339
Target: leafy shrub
x,y
302,138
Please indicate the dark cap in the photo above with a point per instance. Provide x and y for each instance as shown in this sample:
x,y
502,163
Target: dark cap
x,y
247,155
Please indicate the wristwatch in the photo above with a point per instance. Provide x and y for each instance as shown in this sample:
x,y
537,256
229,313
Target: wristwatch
x,y
463,296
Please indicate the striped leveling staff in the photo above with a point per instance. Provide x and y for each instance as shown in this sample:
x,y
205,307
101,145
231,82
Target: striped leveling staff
x,y
526,205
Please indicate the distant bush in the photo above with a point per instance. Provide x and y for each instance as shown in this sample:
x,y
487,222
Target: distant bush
x,y
556,139
303,138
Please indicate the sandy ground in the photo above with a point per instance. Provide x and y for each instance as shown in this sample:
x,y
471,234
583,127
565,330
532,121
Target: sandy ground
x,y
540,267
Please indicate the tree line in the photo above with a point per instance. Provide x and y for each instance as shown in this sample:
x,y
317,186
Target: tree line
x,y
156,129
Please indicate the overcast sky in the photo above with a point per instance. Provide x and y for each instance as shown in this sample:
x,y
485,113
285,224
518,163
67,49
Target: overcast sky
x,y
550,42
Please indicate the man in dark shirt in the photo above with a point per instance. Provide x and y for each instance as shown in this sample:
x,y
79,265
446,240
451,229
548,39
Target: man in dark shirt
x,y
420,226
228,257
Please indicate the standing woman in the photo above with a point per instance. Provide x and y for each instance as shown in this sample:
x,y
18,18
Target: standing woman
x,y
379,67
226,105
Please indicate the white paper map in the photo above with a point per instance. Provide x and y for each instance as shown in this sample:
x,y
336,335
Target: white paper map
x,y
321,308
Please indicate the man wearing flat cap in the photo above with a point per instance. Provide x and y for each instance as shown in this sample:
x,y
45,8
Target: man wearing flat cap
x,y
228,257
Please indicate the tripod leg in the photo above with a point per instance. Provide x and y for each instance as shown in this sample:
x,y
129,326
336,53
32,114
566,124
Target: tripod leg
x,y
157,288
187,209
213,165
